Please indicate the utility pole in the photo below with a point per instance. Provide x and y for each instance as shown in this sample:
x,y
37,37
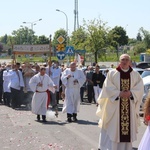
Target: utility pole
x,y
76,19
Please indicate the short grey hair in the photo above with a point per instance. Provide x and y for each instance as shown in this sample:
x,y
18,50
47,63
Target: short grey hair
x,y
124,55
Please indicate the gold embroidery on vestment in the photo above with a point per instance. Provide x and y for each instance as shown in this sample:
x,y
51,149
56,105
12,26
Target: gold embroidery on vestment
x,y
125,109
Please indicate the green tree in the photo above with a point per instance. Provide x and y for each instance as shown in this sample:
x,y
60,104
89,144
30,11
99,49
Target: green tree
x,y
1,47
146,37
120,35
139,38
97,37
24,36
118,38
42,40
3,39
139,47
79,39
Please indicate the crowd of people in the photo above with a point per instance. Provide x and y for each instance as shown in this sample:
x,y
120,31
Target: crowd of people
x,y
19,85
117,93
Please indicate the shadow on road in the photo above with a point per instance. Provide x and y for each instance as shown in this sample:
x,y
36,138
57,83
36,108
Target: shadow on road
x,y
52,122
86,122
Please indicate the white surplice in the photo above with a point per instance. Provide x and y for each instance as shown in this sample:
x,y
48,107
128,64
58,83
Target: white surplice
x,y
109,110
72,91
39,99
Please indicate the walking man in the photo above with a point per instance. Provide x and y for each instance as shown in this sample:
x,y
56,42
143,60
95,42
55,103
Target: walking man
x,y
90,90
118,108
40,83
73,79
16,85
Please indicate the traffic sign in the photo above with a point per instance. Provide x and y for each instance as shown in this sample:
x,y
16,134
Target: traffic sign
x,y
61,55
69,50
80,51
60,47
60,39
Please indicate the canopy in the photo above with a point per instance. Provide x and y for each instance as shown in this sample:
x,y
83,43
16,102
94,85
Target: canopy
x,y
31,49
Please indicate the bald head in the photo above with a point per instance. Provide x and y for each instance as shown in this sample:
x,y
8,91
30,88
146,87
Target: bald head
x,y
72,66
125,61
125,56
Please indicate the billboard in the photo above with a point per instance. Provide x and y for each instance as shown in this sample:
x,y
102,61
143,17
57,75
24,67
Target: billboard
x,y
31,48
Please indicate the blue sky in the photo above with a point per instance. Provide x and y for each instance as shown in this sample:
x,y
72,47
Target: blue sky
x,y
130,14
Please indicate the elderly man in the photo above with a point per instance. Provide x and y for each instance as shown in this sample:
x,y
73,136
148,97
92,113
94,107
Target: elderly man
x,y
118,108
73,79
39,84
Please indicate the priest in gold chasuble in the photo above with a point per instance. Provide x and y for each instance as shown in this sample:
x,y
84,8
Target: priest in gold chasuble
x,y
118,108
124,106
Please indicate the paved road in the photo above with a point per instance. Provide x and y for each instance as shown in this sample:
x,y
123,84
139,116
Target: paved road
x,y
20,130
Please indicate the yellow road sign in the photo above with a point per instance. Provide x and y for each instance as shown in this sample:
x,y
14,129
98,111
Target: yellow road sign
x,y
60,47
60,39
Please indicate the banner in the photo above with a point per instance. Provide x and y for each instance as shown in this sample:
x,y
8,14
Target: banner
x,y
31,48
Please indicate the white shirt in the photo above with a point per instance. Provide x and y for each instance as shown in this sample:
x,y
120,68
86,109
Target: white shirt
x,y
6,78
16,81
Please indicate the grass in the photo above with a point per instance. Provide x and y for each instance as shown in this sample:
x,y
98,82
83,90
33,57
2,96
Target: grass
x,y
111,57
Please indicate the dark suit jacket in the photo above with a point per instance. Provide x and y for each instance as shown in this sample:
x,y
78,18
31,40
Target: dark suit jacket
x,y
98,77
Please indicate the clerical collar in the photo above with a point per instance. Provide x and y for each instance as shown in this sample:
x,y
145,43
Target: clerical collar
x,y
125,70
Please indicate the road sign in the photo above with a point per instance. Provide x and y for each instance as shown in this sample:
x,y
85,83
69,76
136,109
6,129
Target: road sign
x,y
60,47
61,55
69,50
60,39
80,51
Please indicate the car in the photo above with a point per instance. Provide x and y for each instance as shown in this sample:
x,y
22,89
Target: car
x,y
146,82
139,70
145,73
105,70
143,65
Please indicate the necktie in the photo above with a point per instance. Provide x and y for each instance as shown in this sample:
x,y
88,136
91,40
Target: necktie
x,y
17,72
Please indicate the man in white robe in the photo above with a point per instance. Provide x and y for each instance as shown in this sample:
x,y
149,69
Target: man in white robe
x,y
73,79
39,84
119,107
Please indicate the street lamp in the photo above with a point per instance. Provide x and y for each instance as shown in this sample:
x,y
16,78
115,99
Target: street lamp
x,y
32,24
66,22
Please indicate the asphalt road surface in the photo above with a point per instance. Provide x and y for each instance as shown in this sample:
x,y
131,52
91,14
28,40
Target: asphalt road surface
x,y
19,130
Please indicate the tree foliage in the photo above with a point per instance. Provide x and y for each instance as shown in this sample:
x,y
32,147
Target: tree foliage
x,y
97,37
79,39
139,47
146,37
1,47
139,37
119,36
60,32
3,39
42,40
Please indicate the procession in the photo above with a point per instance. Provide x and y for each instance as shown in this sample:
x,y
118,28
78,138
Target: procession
x,y
74,75
40,88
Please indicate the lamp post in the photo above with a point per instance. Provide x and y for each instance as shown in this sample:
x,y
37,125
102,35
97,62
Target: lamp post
x,y
66,22
50,47
32,24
